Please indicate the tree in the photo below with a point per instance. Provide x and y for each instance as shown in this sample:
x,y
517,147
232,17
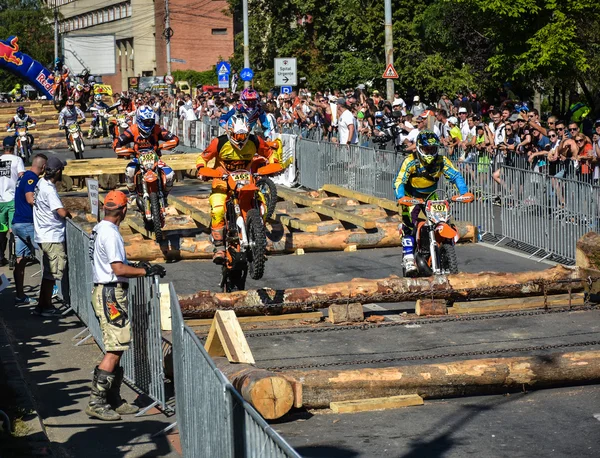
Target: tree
x,y
31,21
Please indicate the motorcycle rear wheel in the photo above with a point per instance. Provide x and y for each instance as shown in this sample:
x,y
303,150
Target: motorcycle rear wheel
x,y
448,259
156,217
258,239
269,191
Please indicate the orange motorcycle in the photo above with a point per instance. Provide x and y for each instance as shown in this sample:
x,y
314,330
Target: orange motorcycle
x,y
60,91
245,213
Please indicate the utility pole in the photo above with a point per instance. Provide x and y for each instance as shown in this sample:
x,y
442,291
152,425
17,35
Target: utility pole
x,y
246,45
55,30
168,34
389,48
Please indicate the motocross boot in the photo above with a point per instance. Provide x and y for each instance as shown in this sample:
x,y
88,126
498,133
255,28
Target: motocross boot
x,y
98,406
408,256
217,234
113,396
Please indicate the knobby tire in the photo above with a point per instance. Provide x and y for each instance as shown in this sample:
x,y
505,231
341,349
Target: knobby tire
x,y
256,234
448,260
156,216
269,191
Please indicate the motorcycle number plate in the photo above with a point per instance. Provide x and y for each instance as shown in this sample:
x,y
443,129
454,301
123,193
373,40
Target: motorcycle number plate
x,y
438,206
239,176
147,157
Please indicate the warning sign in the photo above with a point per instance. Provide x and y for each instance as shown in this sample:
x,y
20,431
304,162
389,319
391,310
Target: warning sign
x,y
390,72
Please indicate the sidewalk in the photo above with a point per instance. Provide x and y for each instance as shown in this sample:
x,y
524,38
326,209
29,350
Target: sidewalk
x,y
58,376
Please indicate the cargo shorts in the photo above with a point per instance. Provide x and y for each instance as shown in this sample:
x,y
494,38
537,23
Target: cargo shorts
x,y
111,307
54,259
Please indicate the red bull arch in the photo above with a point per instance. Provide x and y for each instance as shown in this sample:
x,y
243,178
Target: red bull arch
x,y
14,61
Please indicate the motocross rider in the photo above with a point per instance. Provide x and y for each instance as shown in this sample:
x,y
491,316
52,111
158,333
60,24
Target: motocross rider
x,y
63,71
70,114
144,134
418,177
250,106
21,119
100,105
123,106
233,151
17,93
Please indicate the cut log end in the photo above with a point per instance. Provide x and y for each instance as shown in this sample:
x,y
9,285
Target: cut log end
x,y
272,397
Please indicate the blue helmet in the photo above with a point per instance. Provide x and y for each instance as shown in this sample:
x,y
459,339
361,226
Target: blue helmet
x,y
145,120
428,145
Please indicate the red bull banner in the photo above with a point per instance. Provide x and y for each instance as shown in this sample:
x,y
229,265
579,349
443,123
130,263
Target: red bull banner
x,y
22,65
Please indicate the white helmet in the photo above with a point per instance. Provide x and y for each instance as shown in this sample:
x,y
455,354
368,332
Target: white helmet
x,y
238,130
98,97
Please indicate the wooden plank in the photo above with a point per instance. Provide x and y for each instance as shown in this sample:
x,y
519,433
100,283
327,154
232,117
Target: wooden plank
x,y
197,215
366,405
498,305
308,316
226,338
430,307
165,307
362,197
110,166
295,223
332,212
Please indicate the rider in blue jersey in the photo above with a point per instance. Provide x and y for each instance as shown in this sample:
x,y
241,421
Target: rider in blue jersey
x,y
250,106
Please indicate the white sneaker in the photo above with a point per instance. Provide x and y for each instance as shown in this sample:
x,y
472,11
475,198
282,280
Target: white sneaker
x,y
410,268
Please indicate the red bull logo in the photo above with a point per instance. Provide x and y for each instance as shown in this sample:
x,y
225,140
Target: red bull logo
x,y
8,52
41,78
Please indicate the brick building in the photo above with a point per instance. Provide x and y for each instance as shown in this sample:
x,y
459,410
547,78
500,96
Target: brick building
x,y
203,33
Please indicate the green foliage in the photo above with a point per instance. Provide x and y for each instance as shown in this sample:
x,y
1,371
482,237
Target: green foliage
x,y
31,21
208,77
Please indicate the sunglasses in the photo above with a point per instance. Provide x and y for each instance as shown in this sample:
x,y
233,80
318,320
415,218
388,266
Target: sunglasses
x,y
553,135
560,129
573,129
581,140
551,123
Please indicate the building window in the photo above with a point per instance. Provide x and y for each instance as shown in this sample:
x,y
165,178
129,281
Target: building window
x,y
111,14
219,31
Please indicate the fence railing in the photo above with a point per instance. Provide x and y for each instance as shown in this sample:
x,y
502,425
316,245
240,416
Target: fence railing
x,y
143,362
213,419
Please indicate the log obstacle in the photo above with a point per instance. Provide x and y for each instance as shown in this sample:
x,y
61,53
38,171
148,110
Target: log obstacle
x,y
269,393
458,378
556,280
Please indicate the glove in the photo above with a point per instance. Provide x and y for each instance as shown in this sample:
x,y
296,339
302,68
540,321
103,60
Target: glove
x,y
409,201
151,270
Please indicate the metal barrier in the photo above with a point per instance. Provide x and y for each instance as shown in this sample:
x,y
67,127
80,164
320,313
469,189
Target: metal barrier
x,y
212,417
143,362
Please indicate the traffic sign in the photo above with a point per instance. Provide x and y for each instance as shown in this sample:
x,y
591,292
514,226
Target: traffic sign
x,y
178,61
390,72
286,89
246,74
223,68
169,79
285,71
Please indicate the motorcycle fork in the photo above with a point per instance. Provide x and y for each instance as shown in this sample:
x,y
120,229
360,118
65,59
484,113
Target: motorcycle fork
x,y
239,220
433,250
146,198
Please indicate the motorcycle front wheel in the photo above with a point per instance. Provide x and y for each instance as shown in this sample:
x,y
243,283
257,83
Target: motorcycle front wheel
x,y
448,259
156,216
269,191
78,148
57,99
258,244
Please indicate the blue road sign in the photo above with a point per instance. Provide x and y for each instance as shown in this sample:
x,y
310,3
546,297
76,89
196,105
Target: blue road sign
x,y
246,74
223,68
286,89
224,78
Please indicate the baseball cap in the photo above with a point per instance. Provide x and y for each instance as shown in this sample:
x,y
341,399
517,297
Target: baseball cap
x,y
452,119
115,200
513,117
597,123
361,87
341,101
416,99
462,110
8,142
375,92
54,163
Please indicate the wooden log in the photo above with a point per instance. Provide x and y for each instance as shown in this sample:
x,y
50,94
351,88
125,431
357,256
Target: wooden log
x,y
459,378
587,251
269,393
342,313
367,405
431,307
391,289
386,204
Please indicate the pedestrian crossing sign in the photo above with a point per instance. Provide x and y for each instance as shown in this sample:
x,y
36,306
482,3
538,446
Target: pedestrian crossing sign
x,y
390,72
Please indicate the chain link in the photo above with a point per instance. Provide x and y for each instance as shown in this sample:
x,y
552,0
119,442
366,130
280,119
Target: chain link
x,y
441,356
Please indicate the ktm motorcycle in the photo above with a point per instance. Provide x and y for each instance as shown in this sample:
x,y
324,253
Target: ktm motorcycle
x,y
22,144
245,210
150,184
76,139
60,91
119,124
436,235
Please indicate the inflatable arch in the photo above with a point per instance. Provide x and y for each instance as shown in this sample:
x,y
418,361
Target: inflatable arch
x,y
24,66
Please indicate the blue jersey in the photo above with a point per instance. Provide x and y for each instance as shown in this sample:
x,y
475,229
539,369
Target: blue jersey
x,y
253,115
24,211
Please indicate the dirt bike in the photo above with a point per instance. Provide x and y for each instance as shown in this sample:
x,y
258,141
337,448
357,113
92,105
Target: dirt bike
x,y
267,188
100,127
245,237
119,124
22,145
76,139
60,92
436,235
150,184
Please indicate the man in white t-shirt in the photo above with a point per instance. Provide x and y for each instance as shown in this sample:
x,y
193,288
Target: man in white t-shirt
x,y
11,168
465,129
347,124
111,274
49,217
